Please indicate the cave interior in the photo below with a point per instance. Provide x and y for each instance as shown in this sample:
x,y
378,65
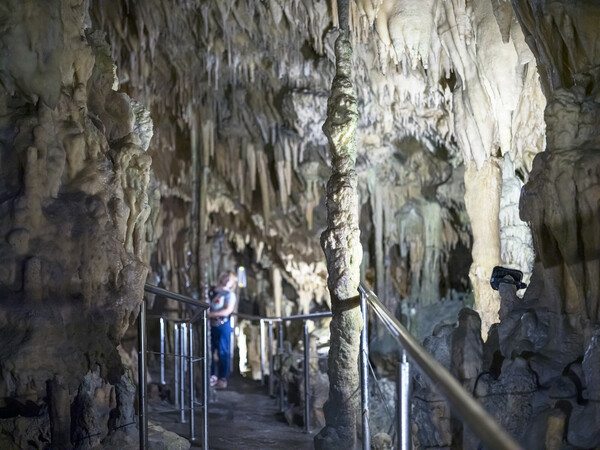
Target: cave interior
x,y
164,142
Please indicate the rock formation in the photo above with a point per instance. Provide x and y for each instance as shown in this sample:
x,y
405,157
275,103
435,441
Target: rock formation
x,y
341,244
75,183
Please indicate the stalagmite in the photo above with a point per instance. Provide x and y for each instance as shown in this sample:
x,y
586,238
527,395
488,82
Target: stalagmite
x,y
343,251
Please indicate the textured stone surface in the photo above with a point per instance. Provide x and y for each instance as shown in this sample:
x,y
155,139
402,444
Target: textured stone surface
x,y
74,204
248,92
343,252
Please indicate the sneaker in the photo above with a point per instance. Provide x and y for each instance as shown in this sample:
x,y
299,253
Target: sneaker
x,y
221,384
213,380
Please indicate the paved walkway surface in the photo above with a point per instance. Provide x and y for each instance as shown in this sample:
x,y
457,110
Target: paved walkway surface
x,y
245,417
241,417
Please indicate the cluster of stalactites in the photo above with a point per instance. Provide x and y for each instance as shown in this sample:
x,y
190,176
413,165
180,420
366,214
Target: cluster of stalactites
x,y
496,105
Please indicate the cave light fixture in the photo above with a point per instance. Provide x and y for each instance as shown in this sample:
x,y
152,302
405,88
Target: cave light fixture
x,y
241,276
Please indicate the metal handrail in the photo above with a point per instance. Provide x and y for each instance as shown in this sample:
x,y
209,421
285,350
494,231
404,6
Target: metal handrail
x,y
185,339
280,320
480,421
263,320
311,316
175,296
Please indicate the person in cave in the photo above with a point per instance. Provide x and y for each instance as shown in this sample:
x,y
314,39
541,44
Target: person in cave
x,y
222,304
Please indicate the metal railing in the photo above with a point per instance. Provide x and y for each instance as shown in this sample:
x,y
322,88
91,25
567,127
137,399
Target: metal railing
x,y
269,321
481,423
183,349
183,337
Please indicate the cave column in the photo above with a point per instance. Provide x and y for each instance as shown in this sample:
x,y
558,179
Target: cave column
x,y
205,153
561,200
483,190
343,252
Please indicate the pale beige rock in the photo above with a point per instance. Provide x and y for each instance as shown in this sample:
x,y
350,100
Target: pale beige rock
x,y
482,198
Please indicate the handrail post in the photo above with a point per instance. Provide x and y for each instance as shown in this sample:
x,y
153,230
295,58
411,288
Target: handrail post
x,y
205,381
142,401
306,380
271,371
232,342
364,374
162,351
182,346
191,372
404,403
176,364
281,372
262,352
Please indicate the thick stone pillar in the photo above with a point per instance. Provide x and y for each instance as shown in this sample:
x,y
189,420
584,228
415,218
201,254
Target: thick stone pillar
x,y
343,251
561,201
74,177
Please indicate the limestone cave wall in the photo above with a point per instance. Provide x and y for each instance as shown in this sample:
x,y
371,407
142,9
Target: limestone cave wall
x,y
74,179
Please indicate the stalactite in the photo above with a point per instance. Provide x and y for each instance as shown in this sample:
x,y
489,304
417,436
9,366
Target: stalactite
x,y
483,190
277,291
377,207
195,209
263,172
208,141
281,176
251,164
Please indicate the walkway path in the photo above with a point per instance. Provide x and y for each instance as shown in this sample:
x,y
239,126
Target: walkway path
x,y
245,417
241,417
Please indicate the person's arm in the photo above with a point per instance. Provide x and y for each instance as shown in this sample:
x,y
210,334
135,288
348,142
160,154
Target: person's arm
x,y
222,312
225,311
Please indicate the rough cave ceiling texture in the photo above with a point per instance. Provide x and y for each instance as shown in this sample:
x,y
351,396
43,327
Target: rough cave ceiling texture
x,y
245,85
455,99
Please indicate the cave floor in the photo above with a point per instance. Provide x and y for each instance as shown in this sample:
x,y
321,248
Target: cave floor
x,y
241,417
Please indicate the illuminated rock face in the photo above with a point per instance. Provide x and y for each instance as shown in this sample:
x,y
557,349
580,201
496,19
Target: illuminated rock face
x,y
248,92
560,201
74,180
545,346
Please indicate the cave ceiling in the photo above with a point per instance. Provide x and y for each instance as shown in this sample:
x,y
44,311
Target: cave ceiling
x,y
440,84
